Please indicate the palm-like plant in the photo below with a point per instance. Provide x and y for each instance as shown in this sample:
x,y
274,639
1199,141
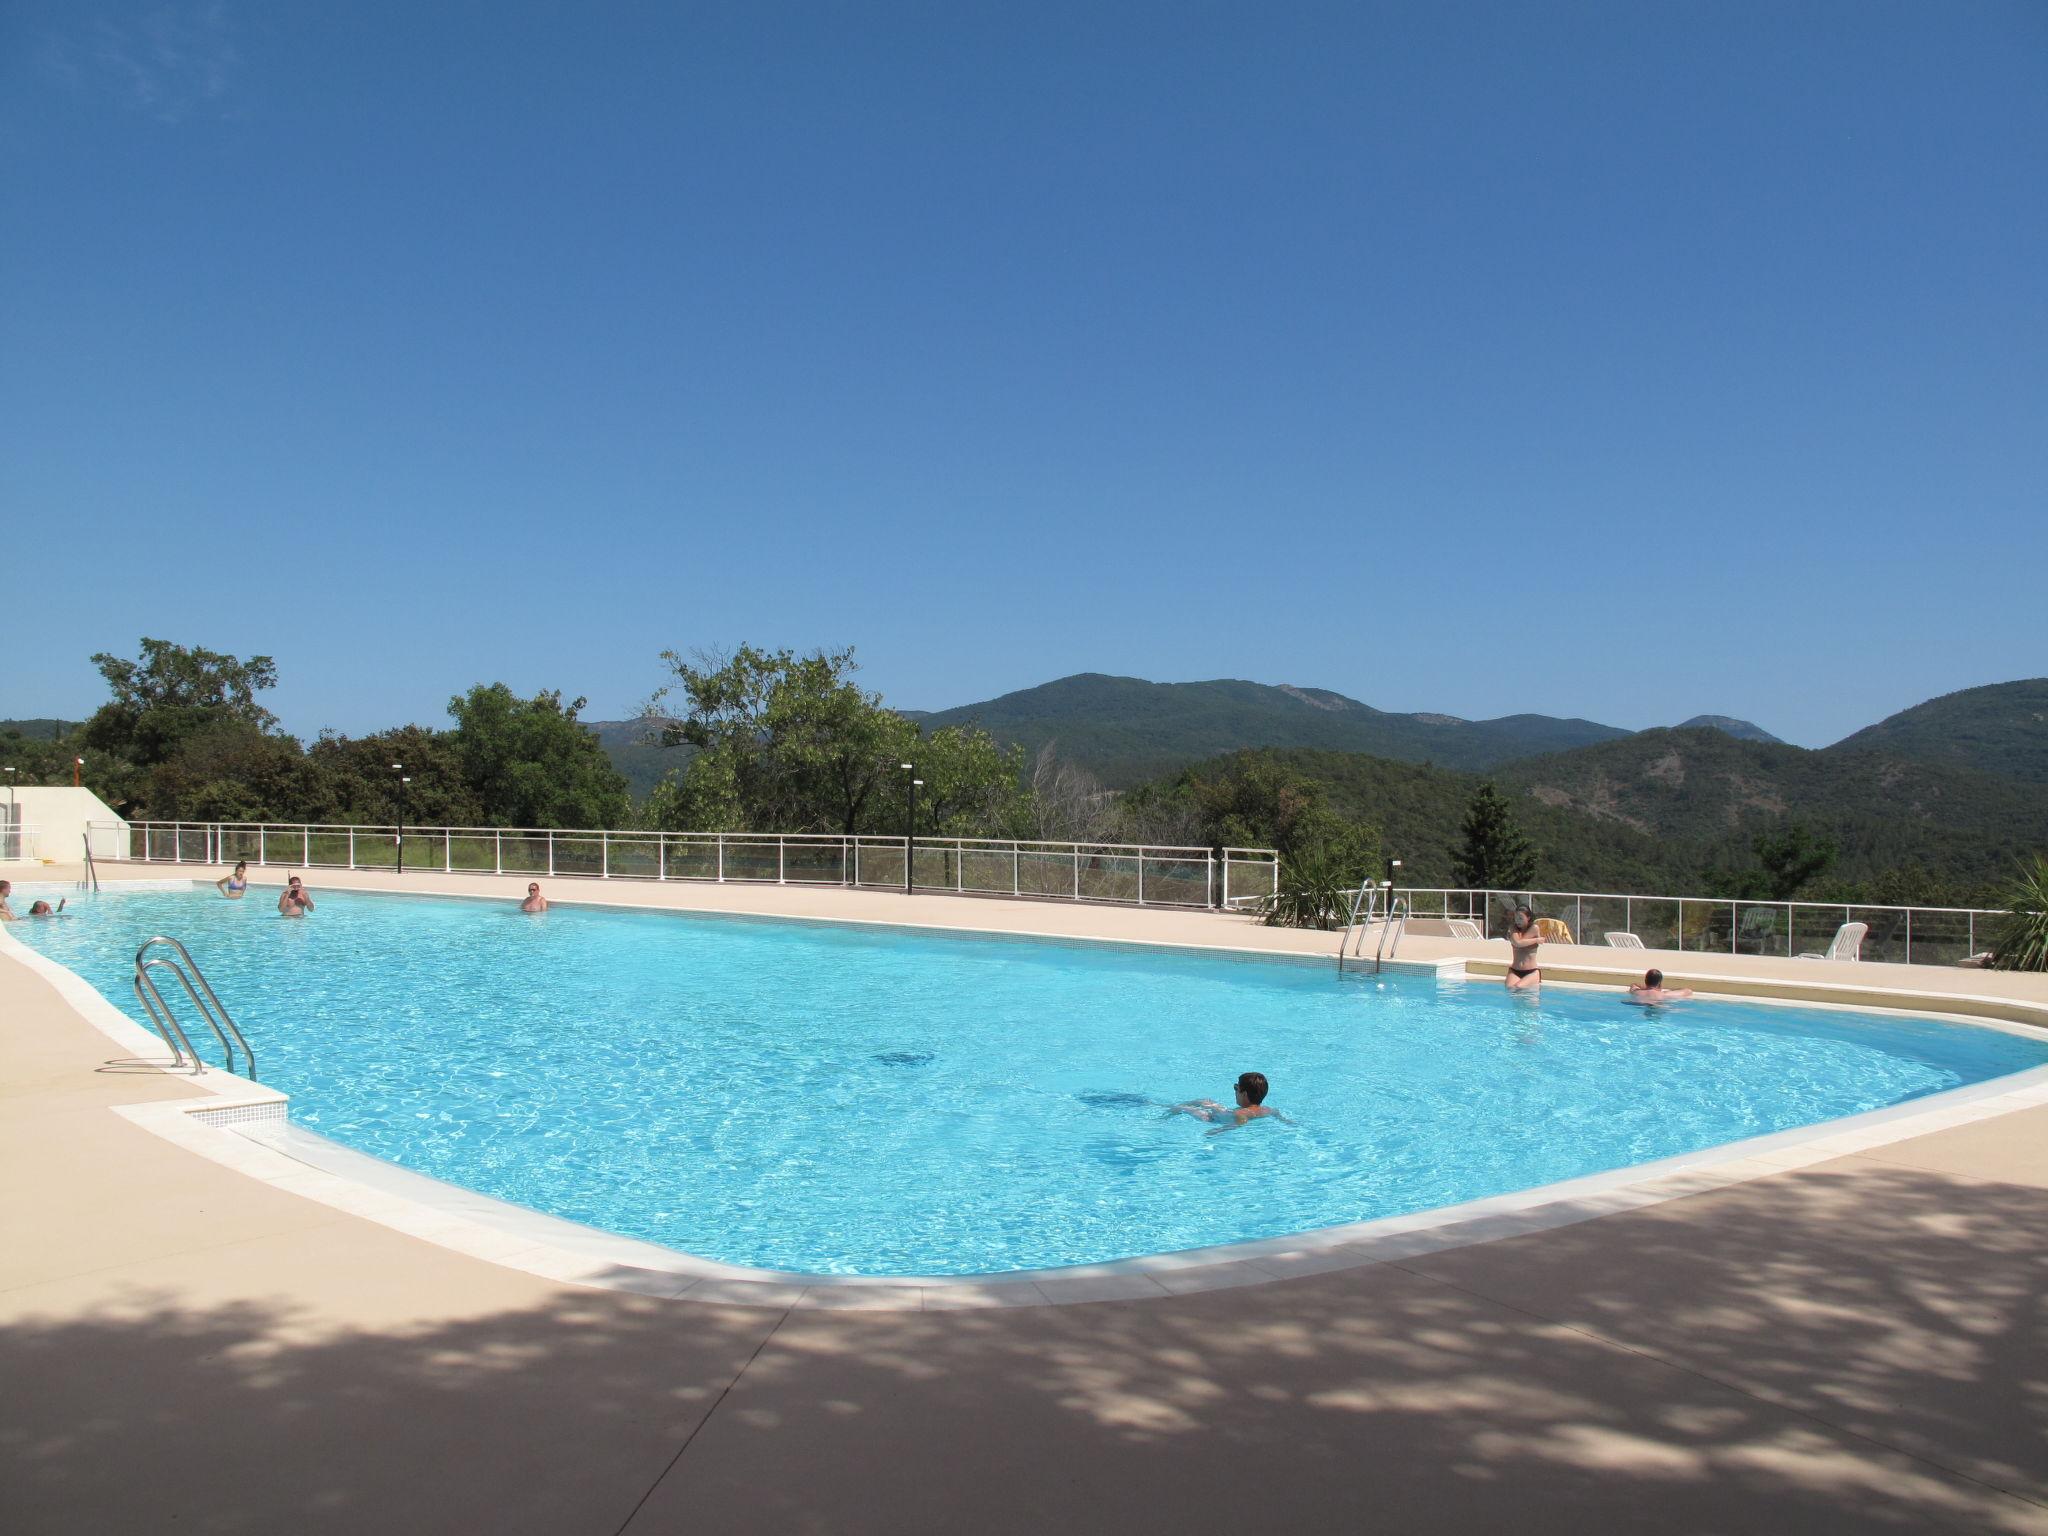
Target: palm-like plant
x,y
2021,941
1315,891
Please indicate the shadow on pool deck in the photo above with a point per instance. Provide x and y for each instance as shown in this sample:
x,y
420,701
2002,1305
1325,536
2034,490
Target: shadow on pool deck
x,y
1857,1347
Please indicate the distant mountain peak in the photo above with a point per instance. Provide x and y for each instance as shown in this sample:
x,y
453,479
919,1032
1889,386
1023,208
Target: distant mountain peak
x,y
1728,725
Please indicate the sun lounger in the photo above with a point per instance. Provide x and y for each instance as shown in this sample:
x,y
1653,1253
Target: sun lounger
x,y
1623,941
1847,945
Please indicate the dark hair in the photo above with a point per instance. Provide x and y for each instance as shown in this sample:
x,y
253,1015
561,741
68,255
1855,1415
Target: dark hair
x,y
1653,978
1254,1086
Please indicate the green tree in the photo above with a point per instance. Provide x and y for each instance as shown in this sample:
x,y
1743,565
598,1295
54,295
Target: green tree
x,y
1791,859
351,779
1494,854
1788,862
972,787
231,771
531,763
173,692
789,743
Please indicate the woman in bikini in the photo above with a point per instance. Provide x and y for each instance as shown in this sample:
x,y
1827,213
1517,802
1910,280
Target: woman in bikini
x,y
232,886
1523,940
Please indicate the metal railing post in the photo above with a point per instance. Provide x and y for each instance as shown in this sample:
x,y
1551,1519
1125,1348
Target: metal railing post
x,y
721,857
604,843
551,853
351,847
1141,877
1909,935
1209,878
660,856
305,847
781,863
498,852
1077,871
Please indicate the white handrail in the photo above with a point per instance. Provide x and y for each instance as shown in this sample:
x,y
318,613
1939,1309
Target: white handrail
x,y
1157,874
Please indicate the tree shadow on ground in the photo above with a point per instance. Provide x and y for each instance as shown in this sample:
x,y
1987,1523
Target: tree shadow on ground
x,y
1778,1345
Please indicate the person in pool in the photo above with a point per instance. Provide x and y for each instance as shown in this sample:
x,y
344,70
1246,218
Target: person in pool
x,y
535,902
1651,989
232,886
293,901
7,913
1251,1090
1523,940
44,909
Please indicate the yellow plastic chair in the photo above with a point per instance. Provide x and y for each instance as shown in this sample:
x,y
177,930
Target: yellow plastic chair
x,y
1554,930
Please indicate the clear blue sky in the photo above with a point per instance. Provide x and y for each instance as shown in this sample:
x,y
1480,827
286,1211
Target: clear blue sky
x,y
1624,360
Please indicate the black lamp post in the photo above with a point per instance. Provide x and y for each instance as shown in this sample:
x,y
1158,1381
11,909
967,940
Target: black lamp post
x,y
910,829
399,769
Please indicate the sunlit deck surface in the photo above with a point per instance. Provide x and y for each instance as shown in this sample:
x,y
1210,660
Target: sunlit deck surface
x,y
1857,1344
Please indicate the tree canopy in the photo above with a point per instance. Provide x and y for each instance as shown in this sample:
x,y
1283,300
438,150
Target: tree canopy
x,y
788,742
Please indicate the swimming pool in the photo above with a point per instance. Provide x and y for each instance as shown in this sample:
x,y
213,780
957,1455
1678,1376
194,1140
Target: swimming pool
x,y
873,1101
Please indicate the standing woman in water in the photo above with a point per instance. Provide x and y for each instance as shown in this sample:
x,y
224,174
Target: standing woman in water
x,y
1524,975
232,886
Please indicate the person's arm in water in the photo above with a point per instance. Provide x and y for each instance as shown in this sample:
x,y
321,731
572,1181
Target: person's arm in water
x,y
1234,1118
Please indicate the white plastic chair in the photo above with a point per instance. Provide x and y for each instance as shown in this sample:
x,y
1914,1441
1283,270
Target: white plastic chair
x,y
1623,941
1464,928
1847,944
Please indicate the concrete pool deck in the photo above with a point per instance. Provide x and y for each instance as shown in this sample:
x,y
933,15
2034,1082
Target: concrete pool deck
x,y
1858,1344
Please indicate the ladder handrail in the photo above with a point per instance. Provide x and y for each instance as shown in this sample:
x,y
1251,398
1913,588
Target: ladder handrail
x,y
166,1023
1367,896
1396,925
92,874
196,974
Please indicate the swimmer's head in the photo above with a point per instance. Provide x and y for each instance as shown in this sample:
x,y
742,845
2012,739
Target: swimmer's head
x,y
1523,916
1653,978
40,909
1253,1086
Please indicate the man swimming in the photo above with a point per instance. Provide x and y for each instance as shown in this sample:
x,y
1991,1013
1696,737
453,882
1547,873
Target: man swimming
x,y
1523,942
535,902
1651,989
293,901
1250,1089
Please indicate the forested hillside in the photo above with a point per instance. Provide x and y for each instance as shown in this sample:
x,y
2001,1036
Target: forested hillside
x,y
2000,728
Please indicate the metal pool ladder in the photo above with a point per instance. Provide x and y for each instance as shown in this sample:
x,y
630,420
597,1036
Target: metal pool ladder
x,y
1373,903
196,987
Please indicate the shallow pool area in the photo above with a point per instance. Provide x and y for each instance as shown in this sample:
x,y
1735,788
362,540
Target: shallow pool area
x,y
835,1099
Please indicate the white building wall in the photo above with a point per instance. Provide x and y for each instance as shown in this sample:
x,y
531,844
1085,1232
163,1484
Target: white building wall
x,y
51,823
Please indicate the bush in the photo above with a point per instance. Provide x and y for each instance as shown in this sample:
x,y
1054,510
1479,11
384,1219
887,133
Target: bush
x,y
2021,940
1316,886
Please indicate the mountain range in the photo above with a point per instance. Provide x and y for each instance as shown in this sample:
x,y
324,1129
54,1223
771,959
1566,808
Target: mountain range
x,y
1126,730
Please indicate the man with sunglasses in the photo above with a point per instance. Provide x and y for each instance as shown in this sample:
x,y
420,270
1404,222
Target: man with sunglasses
x,y
535,902
1250,1089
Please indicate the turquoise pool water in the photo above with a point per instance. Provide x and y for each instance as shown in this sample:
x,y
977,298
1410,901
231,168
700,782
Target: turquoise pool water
x,y
879,1102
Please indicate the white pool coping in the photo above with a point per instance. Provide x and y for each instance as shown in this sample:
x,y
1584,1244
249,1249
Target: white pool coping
x,y
245,1126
